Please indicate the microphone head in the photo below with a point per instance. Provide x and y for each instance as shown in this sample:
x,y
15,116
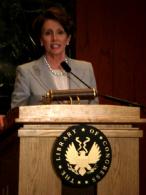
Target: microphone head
x,y
65,66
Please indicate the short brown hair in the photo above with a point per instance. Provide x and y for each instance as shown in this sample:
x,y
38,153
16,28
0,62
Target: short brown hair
x,y
55,13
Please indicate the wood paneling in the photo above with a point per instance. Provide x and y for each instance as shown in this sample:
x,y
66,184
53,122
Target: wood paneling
x,y
111,34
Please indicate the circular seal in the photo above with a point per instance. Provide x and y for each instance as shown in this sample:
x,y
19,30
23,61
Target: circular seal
x,y
82,155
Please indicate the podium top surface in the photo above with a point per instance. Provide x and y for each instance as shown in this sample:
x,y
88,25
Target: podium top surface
x,y
63,113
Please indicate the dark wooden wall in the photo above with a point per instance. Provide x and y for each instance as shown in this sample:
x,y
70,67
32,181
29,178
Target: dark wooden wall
x,y
112,35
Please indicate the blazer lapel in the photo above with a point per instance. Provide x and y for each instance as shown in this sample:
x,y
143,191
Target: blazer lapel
x,y
41,73
74,83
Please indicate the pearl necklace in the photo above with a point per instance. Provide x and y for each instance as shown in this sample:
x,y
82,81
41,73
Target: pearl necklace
x,y
55,73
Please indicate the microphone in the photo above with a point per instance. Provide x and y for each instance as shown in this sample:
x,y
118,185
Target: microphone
x,y
67,69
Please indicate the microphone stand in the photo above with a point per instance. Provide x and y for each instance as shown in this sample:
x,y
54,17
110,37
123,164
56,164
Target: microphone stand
x,y
67,68
81,80
111,98
122,101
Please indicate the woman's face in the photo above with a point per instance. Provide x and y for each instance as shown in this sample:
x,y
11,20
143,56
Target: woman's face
x,y
54,38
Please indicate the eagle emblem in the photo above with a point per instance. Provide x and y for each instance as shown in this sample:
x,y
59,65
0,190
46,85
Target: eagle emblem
x,y
82,155
81,161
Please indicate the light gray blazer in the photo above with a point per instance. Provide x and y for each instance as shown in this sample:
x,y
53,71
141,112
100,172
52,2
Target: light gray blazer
x,y
33,80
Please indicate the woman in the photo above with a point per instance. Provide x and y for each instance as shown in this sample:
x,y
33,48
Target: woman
x,y
53,29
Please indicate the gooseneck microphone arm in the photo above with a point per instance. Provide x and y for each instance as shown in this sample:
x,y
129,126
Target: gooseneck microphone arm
x,y
67,68
81,80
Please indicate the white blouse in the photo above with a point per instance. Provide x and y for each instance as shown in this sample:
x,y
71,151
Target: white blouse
x,y
61,81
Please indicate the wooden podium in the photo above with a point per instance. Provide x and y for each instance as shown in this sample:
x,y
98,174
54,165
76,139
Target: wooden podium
x,y
42,124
